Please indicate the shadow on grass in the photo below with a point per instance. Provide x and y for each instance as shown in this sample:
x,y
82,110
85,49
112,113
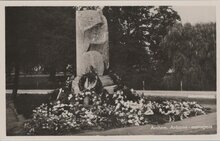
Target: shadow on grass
x,y
26,103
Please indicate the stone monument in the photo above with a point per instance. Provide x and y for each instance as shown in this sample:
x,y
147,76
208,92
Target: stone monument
x,y
91,42
92,47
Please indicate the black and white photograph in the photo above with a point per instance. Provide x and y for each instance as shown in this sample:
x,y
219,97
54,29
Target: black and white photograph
x,y
103,70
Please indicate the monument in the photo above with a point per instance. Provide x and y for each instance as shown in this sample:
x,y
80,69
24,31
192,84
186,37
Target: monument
x,y
92,46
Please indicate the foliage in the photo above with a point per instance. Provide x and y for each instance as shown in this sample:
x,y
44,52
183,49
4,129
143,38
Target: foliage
x,y
44,36
135,34
192,55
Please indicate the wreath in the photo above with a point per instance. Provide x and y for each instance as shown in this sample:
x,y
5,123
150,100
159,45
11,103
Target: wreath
x,y
90,82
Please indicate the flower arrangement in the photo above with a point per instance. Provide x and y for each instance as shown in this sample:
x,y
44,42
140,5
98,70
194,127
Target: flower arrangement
x,y
103,111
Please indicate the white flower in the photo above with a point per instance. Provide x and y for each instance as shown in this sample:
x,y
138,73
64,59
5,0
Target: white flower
x,y
70,105
122,102
121,114
72,125
141,118
130,116
70,114
76,112
68,122
118,106
88,93
90,123
141,100
104,104
70,96
139,112
58,102
136,117
149,112
130,121
114,95
126,104
146,33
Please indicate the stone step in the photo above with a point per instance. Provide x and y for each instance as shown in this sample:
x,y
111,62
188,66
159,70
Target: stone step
x,y
106,80
110,89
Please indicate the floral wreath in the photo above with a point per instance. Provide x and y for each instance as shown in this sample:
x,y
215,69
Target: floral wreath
x,y
90,82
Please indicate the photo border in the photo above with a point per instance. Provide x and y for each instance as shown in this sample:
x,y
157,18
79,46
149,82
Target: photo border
x,y
101,3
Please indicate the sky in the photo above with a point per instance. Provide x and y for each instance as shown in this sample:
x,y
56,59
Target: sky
x,y
196,14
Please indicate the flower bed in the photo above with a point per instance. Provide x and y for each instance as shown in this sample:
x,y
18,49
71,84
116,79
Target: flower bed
x,y
105,111
94,108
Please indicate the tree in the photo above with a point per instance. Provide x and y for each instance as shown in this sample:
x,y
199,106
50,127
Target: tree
x,y
56,46
135,34
17,42
192,55
39,35
46,36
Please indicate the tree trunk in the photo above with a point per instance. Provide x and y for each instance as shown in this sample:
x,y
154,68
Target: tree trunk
x,y
52,74
65,72
16,81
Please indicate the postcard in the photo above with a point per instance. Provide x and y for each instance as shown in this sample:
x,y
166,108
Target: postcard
x,y
109,70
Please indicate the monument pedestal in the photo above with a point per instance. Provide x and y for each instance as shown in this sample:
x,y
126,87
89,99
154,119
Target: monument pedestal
x,y
106,80
107,83
110,89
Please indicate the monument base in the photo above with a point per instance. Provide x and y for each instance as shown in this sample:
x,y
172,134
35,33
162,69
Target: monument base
x,y
106,80
110,89
108,83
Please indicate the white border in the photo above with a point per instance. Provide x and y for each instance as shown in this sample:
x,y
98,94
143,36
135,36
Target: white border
x,y
100,3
